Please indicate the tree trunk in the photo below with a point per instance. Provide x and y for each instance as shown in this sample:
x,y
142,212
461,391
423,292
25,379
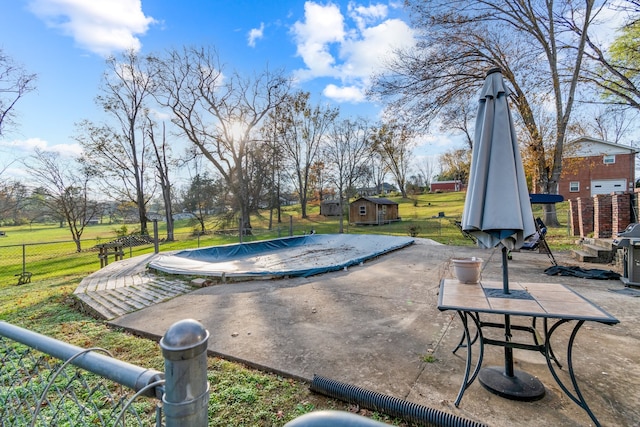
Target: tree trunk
x,y
78,245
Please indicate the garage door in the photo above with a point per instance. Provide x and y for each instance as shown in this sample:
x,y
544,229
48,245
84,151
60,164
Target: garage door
x,y
608,186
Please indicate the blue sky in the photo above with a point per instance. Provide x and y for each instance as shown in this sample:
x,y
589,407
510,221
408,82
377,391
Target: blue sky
x,y
330,47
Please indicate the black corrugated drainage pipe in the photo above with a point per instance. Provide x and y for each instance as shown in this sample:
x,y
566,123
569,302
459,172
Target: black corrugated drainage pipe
x,y
392,406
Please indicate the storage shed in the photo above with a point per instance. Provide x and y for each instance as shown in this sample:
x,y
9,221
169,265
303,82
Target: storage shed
x,y
330,208
373,211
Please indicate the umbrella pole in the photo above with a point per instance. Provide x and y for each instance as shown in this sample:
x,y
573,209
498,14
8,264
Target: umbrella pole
x,y
508,351
507,382
505,271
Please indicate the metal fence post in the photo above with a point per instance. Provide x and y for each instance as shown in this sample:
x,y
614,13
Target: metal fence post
x,y
24,258
184,347
156,248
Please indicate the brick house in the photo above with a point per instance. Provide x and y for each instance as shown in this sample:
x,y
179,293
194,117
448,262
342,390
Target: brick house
x,y
443,186
373,211
592,166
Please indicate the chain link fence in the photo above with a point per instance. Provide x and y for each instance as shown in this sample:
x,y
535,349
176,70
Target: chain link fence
x,y
47,382
39,390
21,263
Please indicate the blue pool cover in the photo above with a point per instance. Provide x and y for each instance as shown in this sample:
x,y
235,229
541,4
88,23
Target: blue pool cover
x,y
289,256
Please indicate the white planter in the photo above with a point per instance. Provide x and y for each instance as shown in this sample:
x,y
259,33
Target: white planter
x,y
467,270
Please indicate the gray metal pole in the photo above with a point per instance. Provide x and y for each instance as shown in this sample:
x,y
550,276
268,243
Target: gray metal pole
x,y
116,370
184,347
155,236
290,225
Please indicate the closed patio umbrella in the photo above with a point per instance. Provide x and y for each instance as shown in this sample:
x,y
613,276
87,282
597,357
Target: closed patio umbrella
x,y
497,207
497,211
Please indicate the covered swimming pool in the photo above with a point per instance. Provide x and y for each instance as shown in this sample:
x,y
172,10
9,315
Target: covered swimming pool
x,y
289,256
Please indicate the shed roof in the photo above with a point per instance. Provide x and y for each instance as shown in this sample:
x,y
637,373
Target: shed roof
x,y
378,200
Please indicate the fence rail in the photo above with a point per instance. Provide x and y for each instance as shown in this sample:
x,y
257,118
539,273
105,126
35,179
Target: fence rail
x,y
47,382
20,263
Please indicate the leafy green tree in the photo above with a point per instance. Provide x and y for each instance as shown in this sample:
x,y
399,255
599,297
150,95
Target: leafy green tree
x,y
615,72
206,195
455,165
14,201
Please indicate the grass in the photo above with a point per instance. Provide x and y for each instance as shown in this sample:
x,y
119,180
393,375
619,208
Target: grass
x,y
239,396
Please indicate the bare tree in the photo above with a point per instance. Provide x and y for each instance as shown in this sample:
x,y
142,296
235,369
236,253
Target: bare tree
x,y
15,82
347,151
459,116
426,167
302,129
377,172
610,123
64,189
394,143
277,165
161,150
220,114
121,151
529,41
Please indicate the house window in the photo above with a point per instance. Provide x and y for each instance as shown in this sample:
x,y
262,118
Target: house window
x,y
384,209
363,210
574,186
609,159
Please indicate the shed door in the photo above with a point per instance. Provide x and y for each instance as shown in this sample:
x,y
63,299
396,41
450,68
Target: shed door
x,y
608,186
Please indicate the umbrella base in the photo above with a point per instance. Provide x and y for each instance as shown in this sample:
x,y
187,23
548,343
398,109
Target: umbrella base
x,y
521,386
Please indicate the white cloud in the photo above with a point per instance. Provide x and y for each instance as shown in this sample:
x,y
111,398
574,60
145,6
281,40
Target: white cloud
x,y
99,26
605,28
344,94
367,53
364,15
255,34
28,146
322,26
330,48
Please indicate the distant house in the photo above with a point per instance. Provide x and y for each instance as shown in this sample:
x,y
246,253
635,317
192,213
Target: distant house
x,y
330,208
383,188
444,186
592,166
373,211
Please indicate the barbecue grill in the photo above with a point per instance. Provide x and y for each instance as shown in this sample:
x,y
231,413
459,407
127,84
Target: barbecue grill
x,y
629,241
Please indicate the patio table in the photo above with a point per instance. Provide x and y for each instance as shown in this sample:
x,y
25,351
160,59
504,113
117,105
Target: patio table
x,y
554,304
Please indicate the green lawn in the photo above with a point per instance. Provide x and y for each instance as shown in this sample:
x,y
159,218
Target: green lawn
x,y
239,396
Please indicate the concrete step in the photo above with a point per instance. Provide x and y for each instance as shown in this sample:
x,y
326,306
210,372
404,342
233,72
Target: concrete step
x,y
606,244
597,250
112,295
593,255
